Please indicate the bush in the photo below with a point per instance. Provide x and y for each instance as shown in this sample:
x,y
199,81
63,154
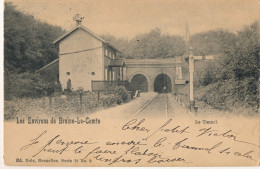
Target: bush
x,y
110,100
122,93
10,111
26,85
232,77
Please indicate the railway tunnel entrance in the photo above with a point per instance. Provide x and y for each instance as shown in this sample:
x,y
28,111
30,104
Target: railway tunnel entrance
x,y
140,82
162,84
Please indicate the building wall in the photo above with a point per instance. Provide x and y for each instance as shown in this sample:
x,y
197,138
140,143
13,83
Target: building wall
x,y
109,53
83,67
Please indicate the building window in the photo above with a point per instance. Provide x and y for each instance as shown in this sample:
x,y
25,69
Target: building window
x,y
178,73
113,56
114,75
105,52
106,74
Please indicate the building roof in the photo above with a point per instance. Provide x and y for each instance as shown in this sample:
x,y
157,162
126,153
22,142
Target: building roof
x,y
87,30
44,67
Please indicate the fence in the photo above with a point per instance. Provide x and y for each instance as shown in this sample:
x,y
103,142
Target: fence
x,y
109,85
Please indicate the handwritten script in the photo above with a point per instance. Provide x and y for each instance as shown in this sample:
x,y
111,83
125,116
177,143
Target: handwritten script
x,y
167,143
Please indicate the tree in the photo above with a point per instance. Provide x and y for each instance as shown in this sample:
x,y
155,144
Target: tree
x,y
27,47
27,41
212,42
149,45
234,74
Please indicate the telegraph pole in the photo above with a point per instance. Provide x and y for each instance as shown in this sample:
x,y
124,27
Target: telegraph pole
x,y
191,70
192,58
187,40
189,53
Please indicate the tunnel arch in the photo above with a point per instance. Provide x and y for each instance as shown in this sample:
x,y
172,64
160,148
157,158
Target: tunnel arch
x,y
139,82
162,83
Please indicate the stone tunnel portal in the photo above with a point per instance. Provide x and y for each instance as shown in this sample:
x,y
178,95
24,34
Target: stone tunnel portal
x,y
162,84
140,82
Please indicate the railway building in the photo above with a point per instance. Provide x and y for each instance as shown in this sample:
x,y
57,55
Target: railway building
x,y
85,57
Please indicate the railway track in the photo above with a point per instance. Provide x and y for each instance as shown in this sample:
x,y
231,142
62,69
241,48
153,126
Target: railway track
x,y
157,100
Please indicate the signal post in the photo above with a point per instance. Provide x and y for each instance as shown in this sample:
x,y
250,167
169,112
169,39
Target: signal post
x,y
191,71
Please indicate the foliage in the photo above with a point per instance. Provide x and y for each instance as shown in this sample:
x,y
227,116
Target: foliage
x,y
212,42
57,105
212,71
27,41
234,75
157,45
111,100
122,93
149,45
27,47
26,85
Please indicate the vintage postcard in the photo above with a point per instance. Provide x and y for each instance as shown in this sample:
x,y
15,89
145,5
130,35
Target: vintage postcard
x,y
131,83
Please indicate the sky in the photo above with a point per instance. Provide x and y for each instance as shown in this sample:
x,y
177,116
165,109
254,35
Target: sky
x,y
127,18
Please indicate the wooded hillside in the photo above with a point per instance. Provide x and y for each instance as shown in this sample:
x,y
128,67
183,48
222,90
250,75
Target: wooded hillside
x,y
27,47
27,41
